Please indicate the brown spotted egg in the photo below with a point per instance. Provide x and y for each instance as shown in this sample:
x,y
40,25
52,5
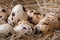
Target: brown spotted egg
x,y
34,17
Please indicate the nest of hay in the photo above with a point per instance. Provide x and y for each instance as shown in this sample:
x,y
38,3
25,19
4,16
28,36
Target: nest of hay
x,y
41,6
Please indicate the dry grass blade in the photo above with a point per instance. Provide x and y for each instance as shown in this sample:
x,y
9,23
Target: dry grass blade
x,y
55,36
39,6
45,5
12,37
46,36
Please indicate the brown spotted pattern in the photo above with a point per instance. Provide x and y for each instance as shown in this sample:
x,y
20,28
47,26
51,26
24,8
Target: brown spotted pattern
x,y
48,23
35,16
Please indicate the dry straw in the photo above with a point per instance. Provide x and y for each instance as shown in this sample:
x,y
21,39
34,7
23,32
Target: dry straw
x,y
50,36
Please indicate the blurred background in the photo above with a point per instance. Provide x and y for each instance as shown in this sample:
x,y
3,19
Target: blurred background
x,y
34,4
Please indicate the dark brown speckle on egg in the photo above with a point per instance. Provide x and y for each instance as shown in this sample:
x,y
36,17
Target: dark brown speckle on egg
x,y
31,11
3,10
24,28
12,18
30,20
13,14
45,23
24,9
58,18
0,16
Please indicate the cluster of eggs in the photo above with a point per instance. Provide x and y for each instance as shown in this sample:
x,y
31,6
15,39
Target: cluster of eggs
x,y
21,21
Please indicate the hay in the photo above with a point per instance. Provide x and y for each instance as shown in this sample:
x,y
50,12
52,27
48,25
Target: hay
x,y
41,6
